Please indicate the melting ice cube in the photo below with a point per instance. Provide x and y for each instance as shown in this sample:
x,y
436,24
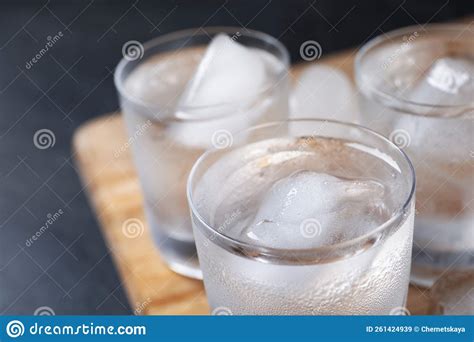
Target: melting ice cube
x,y
222,93
448,82
309,209
228,72
324,92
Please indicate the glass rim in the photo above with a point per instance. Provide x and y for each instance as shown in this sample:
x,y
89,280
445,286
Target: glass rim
x,y
399,101
301,254
191,33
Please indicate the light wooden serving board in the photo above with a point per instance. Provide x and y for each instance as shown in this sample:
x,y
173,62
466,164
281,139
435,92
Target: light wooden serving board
x,y
115,195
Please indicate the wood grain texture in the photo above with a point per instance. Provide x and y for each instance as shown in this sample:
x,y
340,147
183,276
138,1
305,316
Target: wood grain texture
x,y
107,172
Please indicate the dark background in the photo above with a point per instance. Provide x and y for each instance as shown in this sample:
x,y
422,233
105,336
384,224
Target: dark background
x,y
68,268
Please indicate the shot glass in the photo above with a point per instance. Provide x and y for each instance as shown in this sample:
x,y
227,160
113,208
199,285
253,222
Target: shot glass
x,y
304,217
167,135
416,86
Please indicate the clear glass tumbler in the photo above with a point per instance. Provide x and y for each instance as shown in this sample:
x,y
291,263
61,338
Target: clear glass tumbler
x,y
167,135
416,86
304,217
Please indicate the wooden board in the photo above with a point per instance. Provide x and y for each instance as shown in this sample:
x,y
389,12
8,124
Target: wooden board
x,y
115,195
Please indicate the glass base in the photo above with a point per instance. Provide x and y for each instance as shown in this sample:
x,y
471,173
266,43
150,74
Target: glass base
x,y
190,269
424,276
180,256
429,265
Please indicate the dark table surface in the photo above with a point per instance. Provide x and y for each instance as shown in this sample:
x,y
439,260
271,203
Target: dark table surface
x,y
67,268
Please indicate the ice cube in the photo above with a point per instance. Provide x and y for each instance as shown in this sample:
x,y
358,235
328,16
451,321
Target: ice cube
x,y
449,81
228,73
324,92
309,209
222,96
